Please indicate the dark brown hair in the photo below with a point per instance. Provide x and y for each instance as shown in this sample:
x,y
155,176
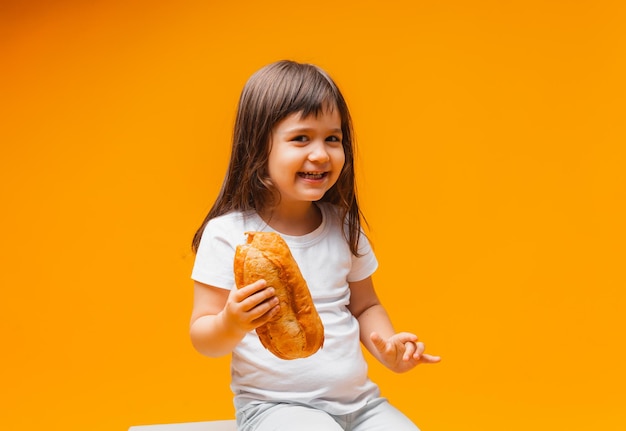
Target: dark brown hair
x,y
271,94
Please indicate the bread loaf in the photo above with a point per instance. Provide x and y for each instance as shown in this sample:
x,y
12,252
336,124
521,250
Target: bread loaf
x,y
297,330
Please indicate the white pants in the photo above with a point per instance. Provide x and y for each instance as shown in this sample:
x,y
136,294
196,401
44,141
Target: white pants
x,y
377,415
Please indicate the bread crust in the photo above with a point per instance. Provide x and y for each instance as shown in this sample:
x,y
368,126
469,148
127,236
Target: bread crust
x,y
297,330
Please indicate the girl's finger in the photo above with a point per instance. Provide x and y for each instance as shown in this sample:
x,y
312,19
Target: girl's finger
x,y
251,289
410,349
257,298
266,312
419,350
263,307
430,359
379,343
405,337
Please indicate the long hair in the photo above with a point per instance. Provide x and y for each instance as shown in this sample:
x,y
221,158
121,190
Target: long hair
x,y
271,94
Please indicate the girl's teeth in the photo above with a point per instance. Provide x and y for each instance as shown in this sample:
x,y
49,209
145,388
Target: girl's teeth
x,y
311,175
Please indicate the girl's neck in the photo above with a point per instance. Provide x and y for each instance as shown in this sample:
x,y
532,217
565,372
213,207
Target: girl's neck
x,y
293,220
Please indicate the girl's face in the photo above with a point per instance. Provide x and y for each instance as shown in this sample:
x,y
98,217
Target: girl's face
x,y
306,156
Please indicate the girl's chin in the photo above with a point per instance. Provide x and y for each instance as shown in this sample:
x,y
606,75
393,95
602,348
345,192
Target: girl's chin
x,y
306,197
314,197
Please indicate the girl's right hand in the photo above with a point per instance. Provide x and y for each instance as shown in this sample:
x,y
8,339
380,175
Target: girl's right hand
x,y
250,307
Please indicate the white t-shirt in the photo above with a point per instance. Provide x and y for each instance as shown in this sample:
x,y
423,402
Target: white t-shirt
x,y
334,378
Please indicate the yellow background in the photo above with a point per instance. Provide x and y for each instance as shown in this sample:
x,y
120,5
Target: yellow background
x,y
491,169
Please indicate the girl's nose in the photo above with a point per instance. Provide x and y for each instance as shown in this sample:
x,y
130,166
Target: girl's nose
x,y
318,153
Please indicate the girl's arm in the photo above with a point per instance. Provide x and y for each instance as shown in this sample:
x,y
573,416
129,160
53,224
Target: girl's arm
x,y
221,318
399,352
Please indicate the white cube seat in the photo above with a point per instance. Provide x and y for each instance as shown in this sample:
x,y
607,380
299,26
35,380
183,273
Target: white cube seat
x,y
228,425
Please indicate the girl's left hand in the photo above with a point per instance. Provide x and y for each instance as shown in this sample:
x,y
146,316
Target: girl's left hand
x,y
402,352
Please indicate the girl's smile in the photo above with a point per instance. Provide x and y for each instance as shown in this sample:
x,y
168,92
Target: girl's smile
x,y
306,156
312,175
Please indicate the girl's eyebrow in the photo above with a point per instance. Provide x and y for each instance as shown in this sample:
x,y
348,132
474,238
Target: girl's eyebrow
x,y
297,129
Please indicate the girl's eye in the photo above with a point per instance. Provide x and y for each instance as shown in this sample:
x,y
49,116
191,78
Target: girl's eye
x,y
333,139
300,138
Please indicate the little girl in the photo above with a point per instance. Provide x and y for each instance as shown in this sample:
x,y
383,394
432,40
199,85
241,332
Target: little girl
x,y
292,171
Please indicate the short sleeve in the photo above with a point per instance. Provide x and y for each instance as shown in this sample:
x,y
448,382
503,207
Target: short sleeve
x,y
365,264
215,256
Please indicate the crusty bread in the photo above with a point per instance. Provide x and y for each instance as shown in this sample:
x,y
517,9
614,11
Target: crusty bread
x,y
297,330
